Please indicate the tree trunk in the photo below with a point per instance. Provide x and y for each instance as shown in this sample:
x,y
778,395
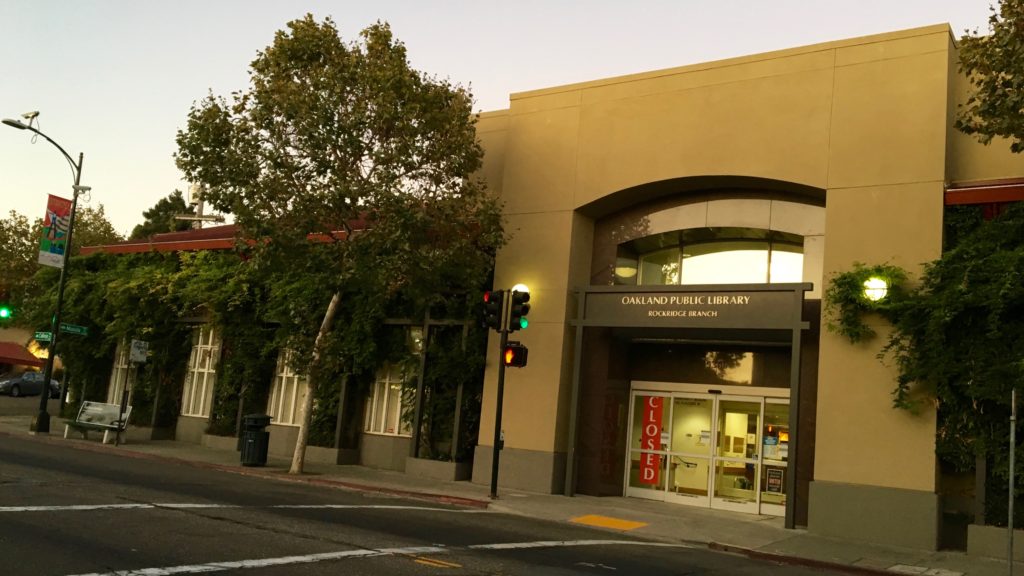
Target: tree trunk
x,y
299,457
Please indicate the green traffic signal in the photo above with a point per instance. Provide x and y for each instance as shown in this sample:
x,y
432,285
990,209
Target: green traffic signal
x,y
5,312
518,311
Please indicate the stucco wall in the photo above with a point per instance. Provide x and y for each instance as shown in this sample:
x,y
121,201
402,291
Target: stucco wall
x,y
863,119
967,159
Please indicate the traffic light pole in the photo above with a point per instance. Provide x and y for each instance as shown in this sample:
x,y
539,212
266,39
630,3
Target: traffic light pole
x,y
497,413
508,317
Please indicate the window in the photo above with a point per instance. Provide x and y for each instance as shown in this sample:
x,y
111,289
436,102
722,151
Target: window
x,y
728,262
787,263
711,256
661,267
202,372
119,375
288,392
391,395
384,410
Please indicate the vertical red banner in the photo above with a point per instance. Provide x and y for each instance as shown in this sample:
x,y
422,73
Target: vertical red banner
x,y
56,225
650,439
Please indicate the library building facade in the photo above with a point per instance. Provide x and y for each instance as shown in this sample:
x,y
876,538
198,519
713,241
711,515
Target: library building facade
x,y
677,229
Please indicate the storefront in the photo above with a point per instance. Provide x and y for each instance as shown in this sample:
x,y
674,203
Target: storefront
x,y
691,387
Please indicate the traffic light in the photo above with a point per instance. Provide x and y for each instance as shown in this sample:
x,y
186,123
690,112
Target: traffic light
x,y
6,312
518,311
514,355
494,304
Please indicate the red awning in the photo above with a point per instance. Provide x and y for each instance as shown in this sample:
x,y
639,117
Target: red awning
x,y
13,353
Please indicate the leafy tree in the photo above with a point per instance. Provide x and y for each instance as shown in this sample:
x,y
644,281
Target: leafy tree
x,y
18,254
229,293
19,250
344,165
160,218
993,66
92,229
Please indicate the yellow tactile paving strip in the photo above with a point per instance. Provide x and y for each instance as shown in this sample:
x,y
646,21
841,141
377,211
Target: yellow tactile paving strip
x,y
608,522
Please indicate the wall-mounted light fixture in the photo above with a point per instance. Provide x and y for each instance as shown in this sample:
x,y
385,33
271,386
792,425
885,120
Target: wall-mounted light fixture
x,y
875,288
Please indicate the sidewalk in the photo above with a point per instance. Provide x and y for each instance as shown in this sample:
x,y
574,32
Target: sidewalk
x,y
761,537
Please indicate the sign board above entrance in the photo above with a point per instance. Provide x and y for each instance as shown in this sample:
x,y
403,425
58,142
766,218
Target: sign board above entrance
x,y
696,307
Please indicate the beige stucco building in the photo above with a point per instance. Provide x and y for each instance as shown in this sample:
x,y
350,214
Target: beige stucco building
x,y
676,229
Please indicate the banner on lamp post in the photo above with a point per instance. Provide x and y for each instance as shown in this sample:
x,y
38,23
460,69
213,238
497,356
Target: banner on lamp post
x,y
54,239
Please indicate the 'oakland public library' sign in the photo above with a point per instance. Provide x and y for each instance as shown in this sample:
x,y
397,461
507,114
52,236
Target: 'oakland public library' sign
x,y
771,306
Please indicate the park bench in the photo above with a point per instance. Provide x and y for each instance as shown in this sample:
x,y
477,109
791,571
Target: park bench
x,y
98,416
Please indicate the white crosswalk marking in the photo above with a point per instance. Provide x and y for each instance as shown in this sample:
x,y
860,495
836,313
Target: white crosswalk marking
x,y
364,553
562,543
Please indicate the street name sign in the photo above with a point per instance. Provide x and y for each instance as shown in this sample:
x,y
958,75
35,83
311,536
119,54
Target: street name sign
x,y
74,329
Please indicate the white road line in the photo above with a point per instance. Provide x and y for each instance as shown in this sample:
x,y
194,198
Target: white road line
x,y
563,543
186,505
362,553
74,507
266,562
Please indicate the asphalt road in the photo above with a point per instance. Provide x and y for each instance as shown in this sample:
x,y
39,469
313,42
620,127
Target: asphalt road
x,y
26,406
68,511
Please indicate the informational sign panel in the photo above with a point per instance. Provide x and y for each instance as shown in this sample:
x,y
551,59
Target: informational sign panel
x,y
54,238
774,480
650,439
692,309
137,353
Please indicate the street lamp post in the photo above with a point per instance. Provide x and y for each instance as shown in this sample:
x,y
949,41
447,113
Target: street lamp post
x,y
41,424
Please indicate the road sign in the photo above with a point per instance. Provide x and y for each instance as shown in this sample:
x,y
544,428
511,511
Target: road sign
x,y
138,351
74,329
43,336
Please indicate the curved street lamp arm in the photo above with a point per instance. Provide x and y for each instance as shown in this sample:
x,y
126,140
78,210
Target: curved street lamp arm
x,y
75,168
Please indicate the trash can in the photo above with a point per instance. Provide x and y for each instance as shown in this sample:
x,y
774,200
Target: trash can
x,y
255,439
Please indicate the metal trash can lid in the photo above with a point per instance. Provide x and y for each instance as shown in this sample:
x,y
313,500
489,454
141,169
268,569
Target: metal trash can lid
x,y
256,420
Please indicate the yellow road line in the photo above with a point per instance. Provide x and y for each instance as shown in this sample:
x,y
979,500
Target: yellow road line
x,y
608,522
436,563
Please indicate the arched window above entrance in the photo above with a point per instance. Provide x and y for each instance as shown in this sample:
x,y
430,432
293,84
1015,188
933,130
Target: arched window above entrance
x,y
711,256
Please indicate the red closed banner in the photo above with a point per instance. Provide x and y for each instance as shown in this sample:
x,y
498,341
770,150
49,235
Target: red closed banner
x,y
650,439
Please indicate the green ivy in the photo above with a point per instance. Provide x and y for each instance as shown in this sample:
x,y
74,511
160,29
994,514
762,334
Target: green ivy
x,y
846,304
957,337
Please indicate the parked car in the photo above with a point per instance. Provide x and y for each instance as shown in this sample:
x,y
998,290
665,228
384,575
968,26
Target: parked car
x,y
27,384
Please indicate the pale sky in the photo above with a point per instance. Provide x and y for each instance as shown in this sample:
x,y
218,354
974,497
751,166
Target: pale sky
x,y
114,79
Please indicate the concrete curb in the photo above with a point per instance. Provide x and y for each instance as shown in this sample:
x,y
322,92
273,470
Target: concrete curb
x,y
127,451
796,560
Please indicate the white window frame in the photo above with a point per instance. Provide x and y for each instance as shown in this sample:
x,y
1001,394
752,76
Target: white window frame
x,y
287,392
201,375
390,380
119,374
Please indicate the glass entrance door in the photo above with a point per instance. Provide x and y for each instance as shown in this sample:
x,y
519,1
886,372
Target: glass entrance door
x,y
774,456
648,445
689,456
737,453
710,450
